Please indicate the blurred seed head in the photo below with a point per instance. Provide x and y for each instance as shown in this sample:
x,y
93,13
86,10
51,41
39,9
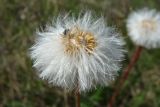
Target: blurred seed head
x,y
144,28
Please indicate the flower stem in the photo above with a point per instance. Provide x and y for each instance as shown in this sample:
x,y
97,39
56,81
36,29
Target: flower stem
x,y
65,98
124,75
77,99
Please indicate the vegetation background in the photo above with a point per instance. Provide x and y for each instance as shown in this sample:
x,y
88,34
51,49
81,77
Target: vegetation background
x,y
21,87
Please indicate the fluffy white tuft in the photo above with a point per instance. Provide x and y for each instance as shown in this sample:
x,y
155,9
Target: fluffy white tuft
x,y
144,28
88,70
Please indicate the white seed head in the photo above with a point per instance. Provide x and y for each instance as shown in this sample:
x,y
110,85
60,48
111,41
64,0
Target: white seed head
x,y
144,28
81,51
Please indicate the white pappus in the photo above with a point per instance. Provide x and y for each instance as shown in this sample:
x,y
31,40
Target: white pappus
x,y
144,28
80,51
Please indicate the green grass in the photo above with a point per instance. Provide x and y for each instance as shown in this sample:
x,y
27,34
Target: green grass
x,y
21,87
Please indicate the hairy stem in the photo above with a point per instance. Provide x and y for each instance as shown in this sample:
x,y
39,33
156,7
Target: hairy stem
x,y
124,76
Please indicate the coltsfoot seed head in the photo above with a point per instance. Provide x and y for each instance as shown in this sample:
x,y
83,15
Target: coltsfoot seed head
x,y
81,51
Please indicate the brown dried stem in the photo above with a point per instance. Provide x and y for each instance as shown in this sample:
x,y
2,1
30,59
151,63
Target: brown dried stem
x,y
124,76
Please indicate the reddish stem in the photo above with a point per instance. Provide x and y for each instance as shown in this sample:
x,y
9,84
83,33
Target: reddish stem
x,y
77,99
124,76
